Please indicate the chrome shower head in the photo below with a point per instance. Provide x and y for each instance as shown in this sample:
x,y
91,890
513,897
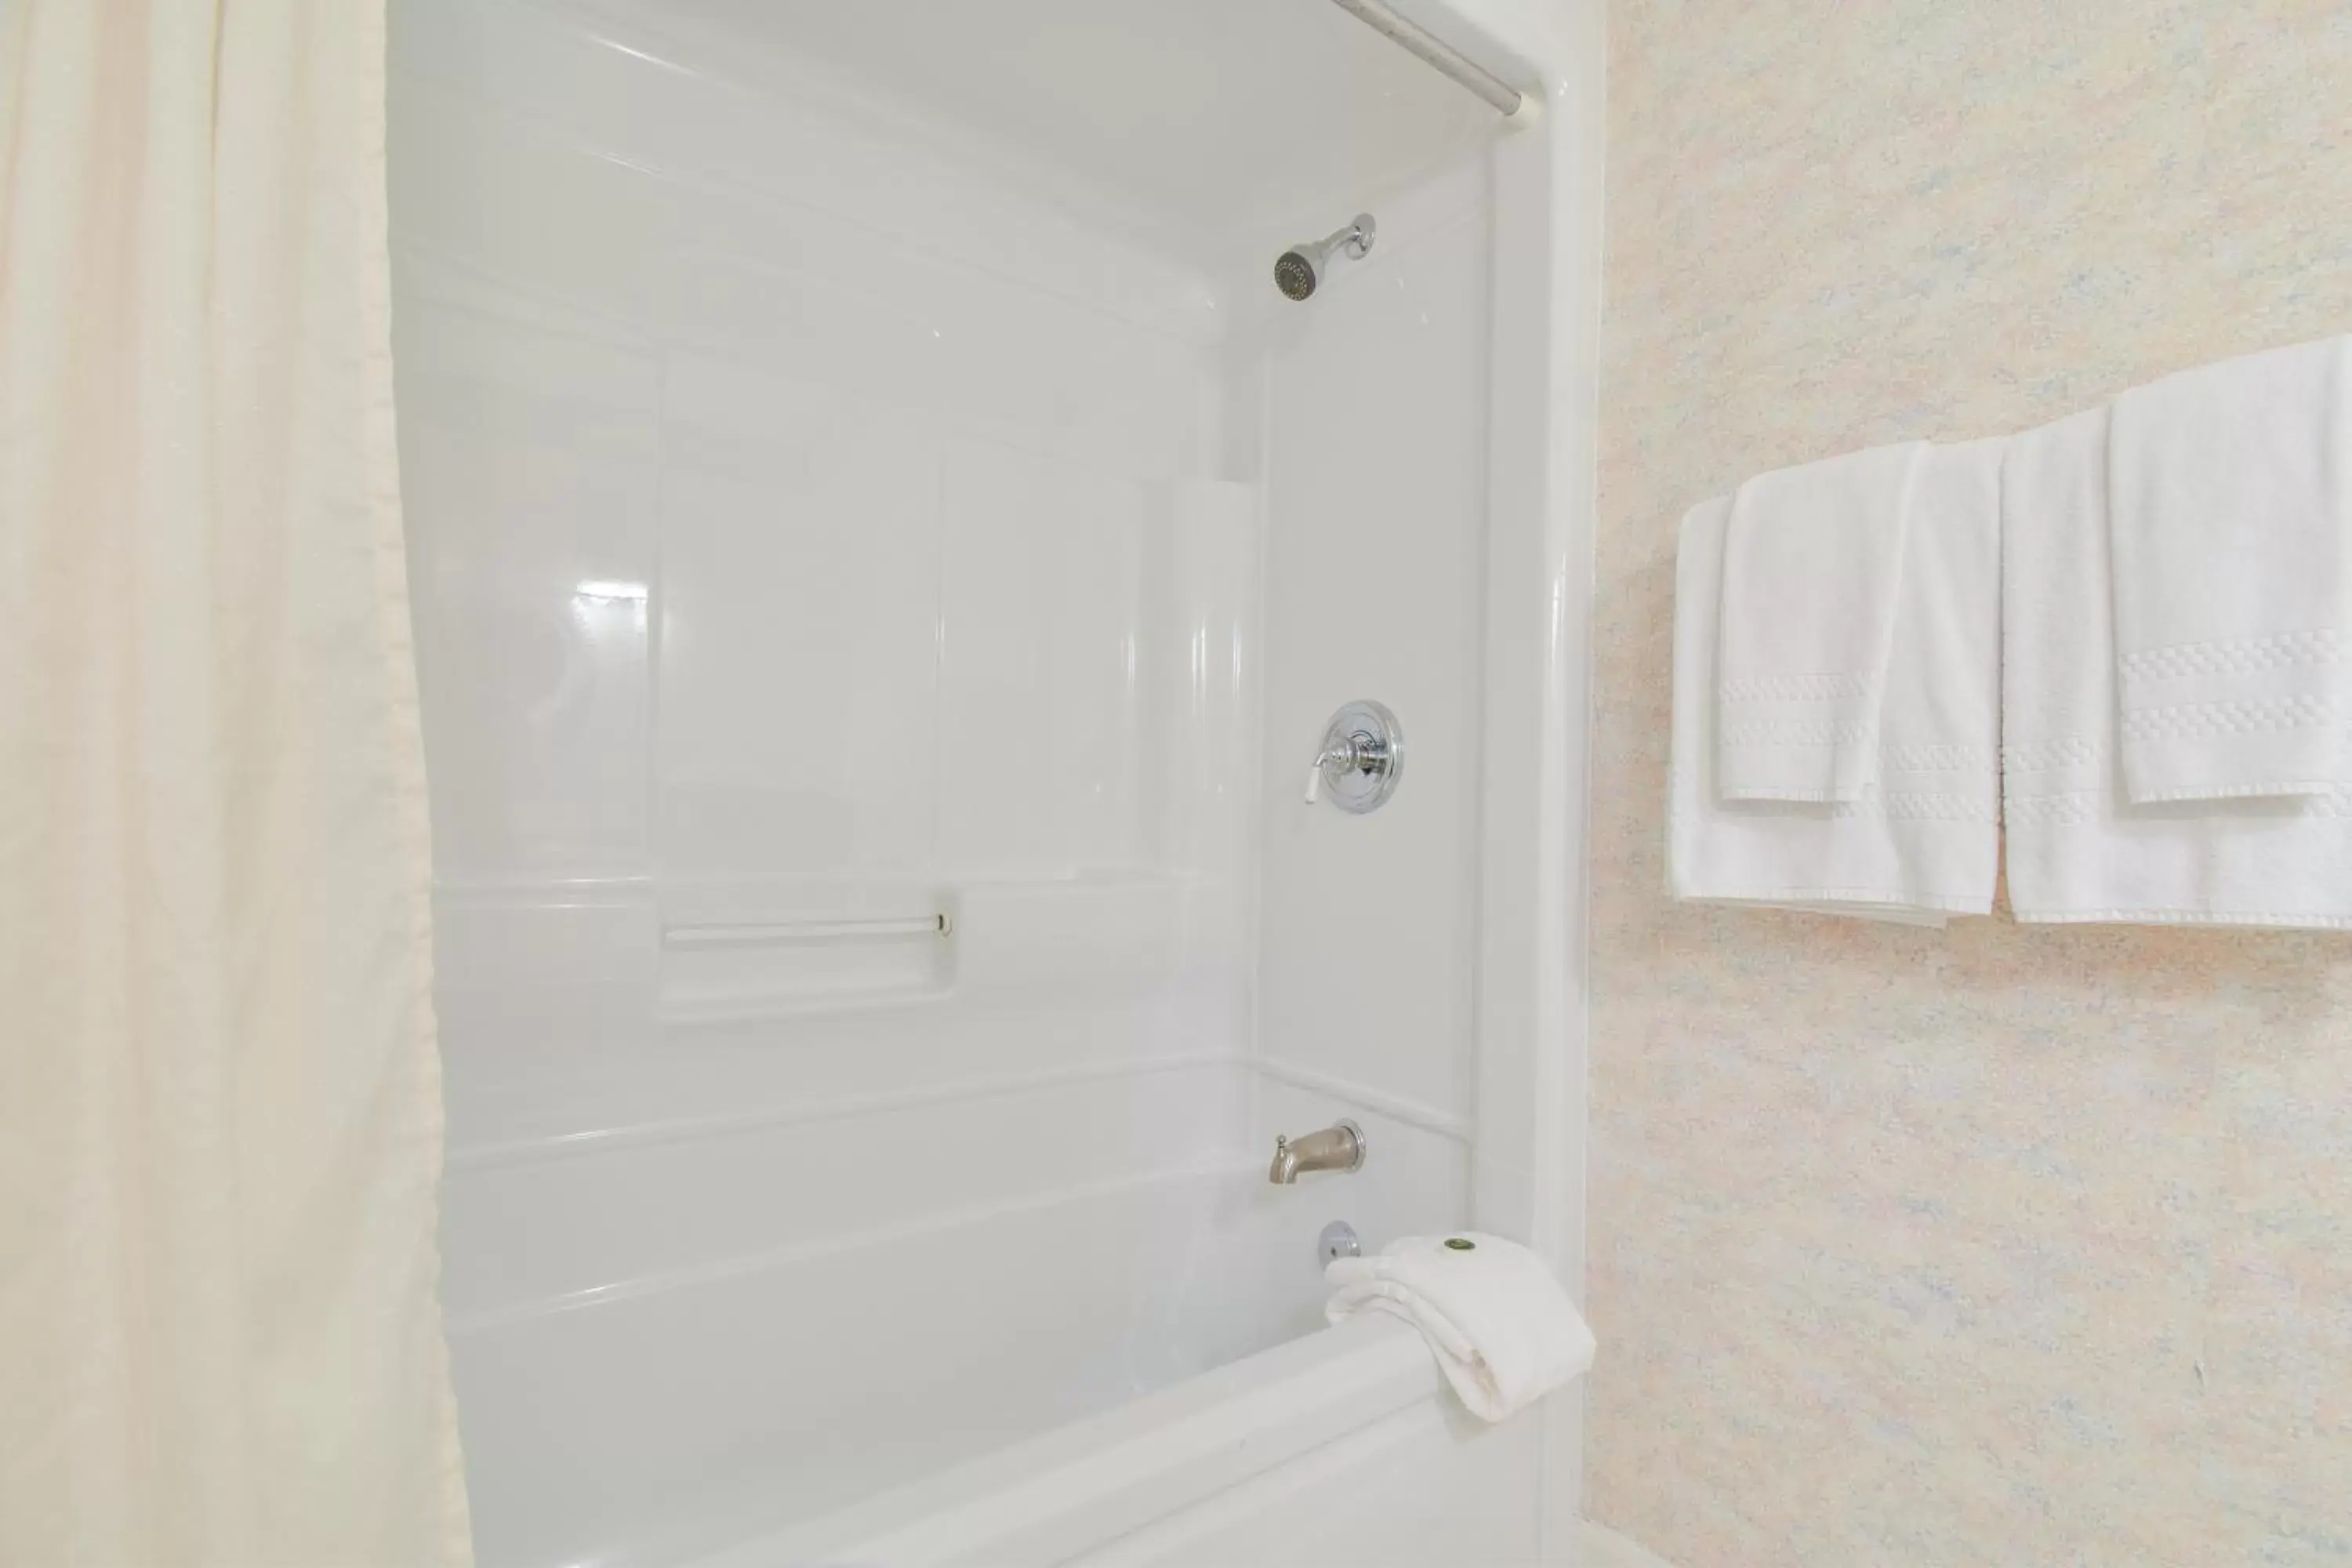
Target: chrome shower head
x,y
1298,271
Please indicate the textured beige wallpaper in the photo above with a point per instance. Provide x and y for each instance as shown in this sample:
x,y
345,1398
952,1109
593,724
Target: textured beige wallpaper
x,y
2005,1246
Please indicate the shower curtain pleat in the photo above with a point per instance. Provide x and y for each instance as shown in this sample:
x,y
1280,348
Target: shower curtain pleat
x,y
220,1111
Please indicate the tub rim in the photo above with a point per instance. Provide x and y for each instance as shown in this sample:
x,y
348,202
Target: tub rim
x,y
1092,1480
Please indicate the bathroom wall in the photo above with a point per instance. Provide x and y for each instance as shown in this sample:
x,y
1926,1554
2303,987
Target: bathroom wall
x,y
2001,1246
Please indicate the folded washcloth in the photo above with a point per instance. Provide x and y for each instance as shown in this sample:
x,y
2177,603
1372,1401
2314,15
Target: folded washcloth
x,y
2079,849
1501,1327
1812,558
1923,841
2228,510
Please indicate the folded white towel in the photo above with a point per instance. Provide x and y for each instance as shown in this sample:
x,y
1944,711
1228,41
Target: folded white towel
x,y
1501,1327
1813,559
2079,849
2228,509
1923,842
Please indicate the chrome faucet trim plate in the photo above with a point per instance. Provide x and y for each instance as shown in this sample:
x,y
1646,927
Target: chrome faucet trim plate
x,y
1362,758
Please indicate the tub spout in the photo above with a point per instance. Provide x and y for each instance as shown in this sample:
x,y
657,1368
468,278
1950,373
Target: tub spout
x,y
1284,1169
1336,1148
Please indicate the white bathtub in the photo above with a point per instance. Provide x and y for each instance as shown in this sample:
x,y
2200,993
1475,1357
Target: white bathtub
x,y
1341,1445
907,1362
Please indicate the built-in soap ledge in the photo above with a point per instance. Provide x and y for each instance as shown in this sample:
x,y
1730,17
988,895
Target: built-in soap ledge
x,y
773,933
738,952
733,952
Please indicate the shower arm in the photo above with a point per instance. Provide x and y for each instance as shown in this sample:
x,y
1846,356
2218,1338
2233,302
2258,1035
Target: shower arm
x,y
1432,50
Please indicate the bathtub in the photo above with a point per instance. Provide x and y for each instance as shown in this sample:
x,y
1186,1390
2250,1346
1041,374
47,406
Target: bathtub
x,y
1165,1315
1281,1455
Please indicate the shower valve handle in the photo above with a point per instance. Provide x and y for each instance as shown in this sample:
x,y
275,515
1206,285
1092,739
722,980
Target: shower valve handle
x,y
1363,753
1338,760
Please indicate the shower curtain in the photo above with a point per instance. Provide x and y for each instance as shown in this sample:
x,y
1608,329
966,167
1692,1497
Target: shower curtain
x,y
220,1133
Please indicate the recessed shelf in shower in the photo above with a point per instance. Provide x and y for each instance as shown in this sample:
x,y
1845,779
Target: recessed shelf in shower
x,y
735,952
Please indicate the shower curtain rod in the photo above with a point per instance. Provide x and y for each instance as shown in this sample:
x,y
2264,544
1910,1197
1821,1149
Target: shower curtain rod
x,y
1434,50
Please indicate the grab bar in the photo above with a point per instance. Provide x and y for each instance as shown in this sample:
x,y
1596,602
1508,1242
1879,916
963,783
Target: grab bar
x,y
773,933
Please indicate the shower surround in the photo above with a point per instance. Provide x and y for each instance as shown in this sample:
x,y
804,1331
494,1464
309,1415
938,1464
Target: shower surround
x,y
887,553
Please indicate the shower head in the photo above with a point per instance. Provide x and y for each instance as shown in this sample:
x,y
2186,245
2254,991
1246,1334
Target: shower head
x,y
1299,271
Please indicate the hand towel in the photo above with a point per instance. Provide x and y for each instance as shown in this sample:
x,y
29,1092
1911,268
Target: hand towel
x,y
2227,512
1501,1327
1923,841
2079,848
1812,560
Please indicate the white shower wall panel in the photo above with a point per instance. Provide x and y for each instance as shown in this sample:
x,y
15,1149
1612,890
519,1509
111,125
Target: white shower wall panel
x,y
947,689
835,436
799,568
809,524
1376,464
770,1186
1041,617
531,464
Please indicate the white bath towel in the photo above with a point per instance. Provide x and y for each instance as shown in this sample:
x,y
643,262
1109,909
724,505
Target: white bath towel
x,y
1813,557
1922,843
2079,849
1500,1325
2228,514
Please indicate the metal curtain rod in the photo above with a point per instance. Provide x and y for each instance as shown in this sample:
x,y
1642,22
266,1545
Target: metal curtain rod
x,y
1434,50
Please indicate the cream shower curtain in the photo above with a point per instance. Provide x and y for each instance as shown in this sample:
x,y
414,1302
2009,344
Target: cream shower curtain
x,y
220,1126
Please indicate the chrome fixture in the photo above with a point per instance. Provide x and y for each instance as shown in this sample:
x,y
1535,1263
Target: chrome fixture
x,y
1430,50
1337,1241
1299,270
1361,759
1339,1147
